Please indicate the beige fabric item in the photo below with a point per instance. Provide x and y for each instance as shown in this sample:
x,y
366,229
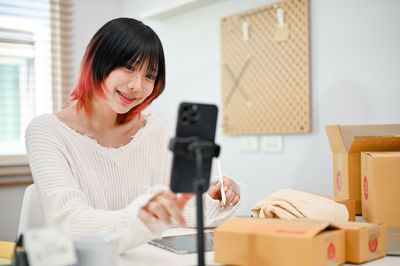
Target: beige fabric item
x,y
291,204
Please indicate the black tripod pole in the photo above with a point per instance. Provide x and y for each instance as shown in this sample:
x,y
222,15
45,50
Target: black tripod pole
x,y
199,185
195,148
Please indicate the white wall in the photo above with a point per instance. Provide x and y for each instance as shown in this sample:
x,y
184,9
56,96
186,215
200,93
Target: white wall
x,y
355,62
88,17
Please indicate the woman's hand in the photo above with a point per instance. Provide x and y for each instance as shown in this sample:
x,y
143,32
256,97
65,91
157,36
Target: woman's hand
x,y
164,206
231,192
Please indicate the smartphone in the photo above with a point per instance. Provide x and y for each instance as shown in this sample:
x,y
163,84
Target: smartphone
x,y
194,120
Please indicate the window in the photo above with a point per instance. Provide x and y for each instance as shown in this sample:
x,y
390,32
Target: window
x,y
34,76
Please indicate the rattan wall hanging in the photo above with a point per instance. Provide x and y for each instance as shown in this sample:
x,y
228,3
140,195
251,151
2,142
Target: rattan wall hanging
x,y
266,70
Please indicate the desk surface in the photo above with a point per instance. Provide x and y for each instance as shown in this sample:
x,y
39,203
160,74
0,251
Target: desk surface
x,y
151,255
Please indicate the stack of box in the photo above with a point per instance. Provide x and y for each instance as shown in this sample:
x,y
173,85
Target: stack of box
x,y
258,241
366,162
347,143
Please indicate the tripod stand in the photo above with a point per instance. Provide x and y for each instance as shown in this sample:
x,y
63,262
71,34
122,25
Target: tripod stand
x,y
199,150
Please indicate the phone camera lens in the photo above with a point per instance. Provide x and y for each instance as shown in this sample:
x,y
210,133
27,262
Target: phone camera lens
x,y
185,121
195,116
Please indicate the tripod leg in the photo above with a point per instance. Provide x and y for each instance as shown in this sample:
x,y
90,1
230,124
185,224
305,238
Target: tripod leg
x,y
200,226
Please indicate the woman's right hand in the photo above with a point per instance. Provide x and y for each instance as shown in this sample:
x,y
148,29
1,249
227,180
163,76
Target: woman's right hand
x,y
164,206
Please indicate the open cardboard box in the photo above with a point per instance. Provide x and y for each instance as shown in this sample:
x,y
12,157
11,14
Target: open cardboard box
x,y
346,143
260,241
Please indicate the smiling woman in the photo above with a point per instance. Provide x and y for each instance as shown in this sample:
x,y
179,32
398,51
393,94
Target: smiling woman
x,y
101,165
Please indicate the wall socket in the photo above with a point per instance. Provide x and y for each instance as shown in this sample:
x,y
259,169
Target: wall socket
x,y
249,144
272,143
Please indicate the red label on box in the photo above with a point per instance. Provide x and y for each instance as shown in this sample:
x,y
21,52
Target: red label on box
x,y
365,186
331,251
339,181
373,243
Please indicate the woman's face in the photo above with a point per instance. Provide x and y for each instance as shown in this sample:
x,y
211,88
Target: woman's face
x,y
126,87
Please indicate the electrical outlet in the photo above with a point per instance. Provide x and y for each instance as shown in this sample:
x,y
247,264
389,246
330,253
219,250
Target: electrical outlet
x,y
249,144
272,143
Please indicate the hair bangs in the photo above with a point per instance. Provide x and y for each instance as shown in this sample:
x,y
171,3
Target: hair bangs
x,y
149,51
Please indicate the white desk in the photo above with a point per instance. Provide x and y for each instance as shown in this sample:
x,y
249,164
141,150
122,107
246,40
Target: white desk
x,y
151,255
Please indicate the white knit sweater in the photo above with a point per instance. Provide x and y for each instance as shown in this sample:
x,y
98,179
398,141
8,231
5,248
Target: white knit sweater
x,y
86,188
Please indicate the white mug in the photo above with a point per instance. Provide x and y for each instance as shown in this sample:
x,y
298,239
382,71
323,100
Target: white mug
x,y
97,250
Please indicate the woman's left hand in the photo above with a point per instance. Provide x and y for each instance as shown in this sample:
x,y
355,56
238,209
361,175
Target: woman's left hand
x,y
231,192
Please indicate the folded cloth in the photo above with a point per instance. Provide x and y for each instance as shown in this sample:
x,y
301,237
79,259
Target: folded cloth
x,y
293,204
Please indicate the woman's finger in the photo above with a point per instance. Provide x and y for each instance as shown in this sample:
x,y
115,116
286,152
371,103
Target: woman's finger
x,y
227,181
183,199
230,195
158,210
146,216
235,201
215,191
169,194
173,210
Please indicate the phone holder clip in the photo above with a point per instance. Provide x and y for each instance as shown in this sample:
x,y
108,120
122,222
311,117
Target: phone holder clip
x,y
187,147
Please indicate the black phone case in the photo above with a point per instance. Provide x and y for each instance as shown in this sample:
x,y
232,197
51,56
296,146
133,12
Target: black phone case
x,y
197,120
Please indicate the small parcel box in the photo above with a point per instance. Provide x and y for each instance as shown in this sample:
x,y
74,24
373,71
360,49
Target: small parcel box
x,y
346,143
364,241
260,241
380,179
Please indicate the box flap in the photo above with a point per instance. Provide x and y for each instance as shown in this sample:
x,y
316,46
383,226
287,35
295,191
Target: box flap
x,y
265,226
390,154
375,144
349,132
335,138
355,225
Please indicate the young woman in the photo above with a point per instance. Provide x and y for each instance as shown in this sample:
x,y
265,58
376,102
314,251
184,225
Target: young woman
x,y
101,165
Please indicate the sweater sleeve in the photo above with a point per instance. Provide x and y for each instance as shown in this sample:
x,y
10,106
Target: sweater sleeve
x,y
66,206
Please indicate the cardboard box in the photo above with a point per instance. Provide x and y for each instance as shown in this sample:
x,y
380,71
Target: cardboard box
x,y
381,187
349,203
346,143
258,241
364,241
